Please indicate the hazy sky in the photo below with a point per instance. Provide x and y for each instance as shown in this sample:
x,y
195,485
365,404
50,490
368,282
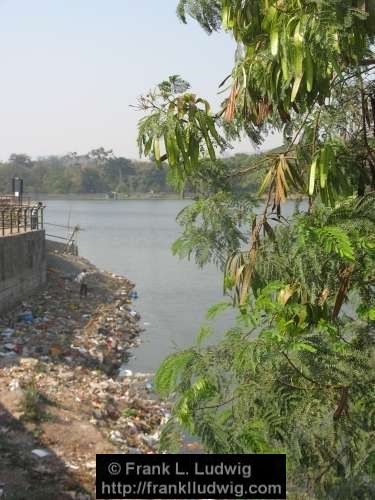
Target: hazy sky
x,y
71,68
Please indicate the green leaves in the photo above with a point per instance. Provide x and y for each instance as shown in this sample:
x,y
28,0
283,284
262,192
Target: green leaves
x,y
305,42
205,125
226,15
274,40
312,176
366,313
309,71
335,240
171,370
211,228
296,86
157,150
325,176
185,125
303,346
298,37
294,366
216,309
205,331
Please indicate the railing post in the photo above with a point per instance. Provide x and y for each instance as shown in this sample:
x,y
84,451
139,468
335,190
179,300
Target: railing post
x,y
16,219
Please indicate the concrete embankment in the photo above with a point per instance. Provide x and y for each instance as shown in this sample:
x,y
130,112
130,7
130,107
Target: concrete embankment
x,y
22,266
61,400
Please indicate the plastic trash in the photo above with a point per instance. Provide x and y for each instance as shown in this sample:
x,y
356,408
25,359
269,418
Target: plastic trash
x,y
14,384
7,333
134,451
27,317
123,373
72,466
40,453
9,347
76,353
149,386
116,437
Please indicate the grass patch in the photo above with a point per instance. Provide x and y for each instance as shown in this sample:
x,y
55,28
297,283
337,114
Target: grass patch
x,y
129,412
32,404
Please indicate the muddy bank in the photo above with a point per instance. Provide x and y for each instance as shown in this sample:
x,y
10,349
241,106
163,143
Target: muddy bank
x,y
61,399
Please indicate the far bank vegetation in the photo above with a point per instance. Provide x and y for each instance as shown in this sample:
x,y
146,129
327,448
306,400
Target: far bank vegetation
x,y
100,171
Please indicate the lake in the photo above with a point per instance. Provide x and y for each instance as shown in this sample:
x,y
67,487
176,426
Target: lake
x,y
133,238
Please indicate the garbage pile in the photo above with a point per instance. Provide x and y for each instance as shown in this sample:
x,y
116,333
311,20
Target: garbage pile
x,y
72,350
58,326
124,410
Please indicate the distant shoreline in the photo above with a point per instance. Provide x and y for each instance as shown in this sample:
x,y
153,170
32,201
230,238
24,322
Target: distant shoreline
x,y
105,197
139,197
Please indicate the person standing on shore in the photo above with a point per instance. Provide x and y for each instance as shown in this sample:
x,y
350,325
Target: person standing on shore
x,y
82,280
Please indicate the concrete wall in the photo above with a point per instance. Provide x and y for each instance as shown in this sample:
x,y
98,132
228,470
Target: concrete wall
x,y
22,266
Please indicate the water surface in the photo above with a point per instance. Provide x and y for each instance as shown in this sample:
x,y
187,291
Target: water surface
x,y
133,238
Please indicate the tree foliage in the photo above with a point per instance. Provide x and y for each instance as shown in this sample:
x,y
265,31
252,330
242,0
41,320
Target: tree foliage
x,y
99,171
295,372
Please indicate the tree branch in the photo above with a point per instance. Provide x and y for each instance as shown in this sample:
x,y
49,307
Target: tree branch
x,y
218,405
371,156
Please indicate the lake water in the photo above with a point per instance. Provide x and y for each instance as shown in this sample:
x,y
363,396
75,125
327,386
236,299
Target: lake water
x,y
133,238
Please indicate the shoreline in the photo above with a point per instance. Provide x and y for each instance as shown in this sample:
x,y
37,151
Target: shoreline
x,y
104,197
140,197
59,387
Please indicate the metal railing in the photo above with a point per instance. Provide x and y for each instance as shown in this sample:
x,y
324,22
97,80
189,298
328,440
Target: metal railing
x,y
13,200
20,218
70,239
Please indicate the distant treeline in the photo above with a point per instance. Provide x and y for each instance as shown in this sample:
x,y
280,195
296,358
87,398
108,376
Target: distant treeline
x,y
98,171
